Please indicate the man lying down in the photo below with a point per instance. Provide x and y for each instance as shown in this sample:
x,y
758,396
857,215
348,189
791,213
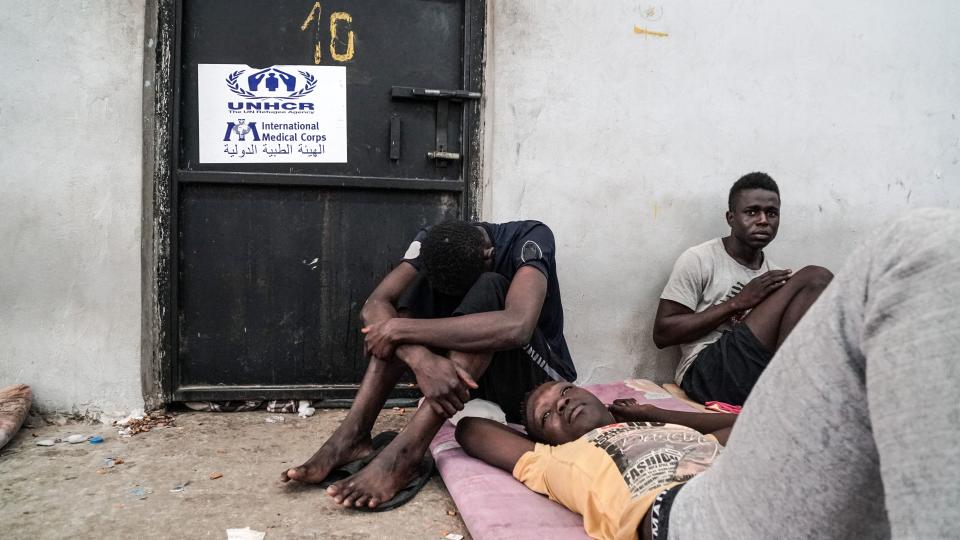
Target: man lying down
x,y
606,464
851,431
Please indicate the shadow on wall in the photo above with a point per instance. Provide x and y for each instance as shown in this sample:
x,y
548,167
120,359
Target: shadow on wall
x,y
649,361
673,223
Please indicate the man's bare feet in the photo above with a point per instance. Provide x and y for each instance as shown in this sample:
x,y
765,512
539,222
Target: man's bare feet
x,y
380,480
338,450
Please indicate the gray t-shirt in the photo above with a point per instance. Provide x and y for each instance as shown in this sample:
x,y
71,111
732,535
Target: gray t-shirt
x,y
703,276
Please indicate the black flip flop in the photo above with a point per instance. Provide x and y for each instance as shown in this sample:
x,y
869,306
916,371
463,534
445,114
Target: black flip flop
x,y
408,492
348,469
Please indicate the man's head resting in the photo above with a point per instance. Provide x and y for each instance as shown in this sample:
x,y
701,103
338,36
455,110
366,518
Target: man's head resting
x,y
754,180
452,256
558,412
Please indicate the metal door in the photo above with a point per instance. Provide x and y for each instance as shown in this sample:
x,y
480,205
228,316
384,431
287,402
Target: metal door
x,y
270,263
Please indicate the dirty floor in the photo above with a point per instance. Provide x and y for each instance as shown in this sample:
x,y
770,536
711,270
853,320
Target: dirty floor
x,y
68,491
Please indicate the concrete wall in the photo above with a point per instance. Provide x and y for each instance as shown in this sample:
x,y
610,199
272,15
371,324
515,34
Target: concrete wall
x,y
70,190
626,143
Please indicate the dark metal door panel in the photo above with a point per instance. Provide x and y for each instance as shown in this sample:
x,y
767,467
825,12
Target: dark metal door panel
x,y
276,276
272,261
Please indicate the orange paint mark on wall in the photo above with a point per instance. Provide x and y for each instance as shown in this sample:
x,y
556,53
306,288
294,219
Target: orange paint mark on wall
x,y
644,31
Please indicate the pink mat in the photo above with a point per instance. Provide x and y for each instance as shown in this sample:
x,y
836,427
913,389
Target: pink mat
x,y
494,505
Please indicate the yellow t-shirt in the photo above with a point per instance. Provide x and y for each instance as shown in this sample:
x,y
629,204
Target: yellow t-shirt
x,y
612,474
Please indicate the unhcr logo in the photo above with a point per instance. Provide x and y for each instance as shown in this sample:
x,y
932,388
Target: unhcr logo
x,y
270,89
271,83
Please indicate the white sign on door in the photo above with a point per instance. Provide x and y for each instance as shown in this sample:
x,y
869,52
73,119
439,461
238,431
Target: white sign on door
x,y
279,114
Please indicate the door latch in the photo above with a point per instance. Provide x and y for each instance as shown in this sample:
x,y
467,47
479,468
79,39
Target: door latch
x,y
441,154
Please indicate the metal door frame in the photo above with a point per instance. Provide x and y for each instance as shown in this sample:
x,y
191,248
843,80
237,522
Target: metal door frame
x,y
161,110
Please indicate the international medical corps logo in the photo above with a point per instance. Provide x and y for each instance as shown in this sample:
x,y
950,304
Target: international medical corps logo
x,y
266,83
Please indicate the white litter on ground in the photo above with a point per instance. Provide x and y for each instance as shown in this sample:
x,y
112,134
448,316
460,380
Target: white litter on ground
x,y
246,533
305,410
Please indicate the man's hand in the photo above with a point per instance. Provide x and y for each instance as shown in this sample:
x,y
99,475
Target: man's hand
x,y
759,288
444,384
381,340
628,410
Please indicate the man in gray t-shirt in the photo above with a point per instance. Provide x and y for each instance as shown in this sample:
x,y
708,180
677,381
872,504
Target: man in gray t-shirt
x,y
727,306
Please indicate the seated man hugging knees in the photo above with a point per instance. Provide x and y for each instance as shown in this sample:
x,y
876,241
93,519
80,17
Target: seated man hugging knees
x,y
727,306
473,310
607,464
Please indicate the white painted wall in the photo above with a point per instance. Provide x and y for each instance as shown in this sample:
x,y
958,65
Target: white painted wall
x,y
70,191
626,144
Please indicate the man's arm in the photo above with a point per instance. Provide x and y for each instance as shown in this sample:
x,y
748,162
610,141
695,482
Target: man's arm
x,y
501,330
492,442
718,424
381,306
442,383
675,323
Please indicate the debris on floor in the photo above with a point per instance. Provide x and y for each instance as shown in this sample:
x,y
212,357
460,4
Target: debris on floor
x,y
245,533
47,442
132,425
223,406
215,475
96,440
140,493
282,406
146,493
275,419
453,536
108,463
178,488
305,410
76,439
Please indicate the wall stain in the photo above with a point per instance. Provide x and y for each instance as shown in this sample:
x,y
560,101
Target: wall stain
x,y
652,13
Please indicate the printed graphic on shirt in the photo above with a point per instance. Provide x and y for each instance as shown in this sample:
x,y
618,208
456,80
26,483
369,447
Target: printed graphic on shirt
x,y
734,290
649,455
530,251
413,251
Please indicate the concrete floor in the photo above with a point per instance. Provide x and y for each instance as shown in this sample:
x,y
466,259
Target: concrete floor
x,y
57,492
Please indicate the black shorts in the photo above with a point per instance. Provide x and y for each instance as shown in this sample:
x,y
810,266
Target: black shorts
x,y
512,373
660,512
727,369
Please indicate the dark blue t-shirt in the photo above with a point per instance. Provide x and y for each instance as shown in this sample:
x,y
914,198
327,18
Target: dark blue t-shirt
x,y
517,244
